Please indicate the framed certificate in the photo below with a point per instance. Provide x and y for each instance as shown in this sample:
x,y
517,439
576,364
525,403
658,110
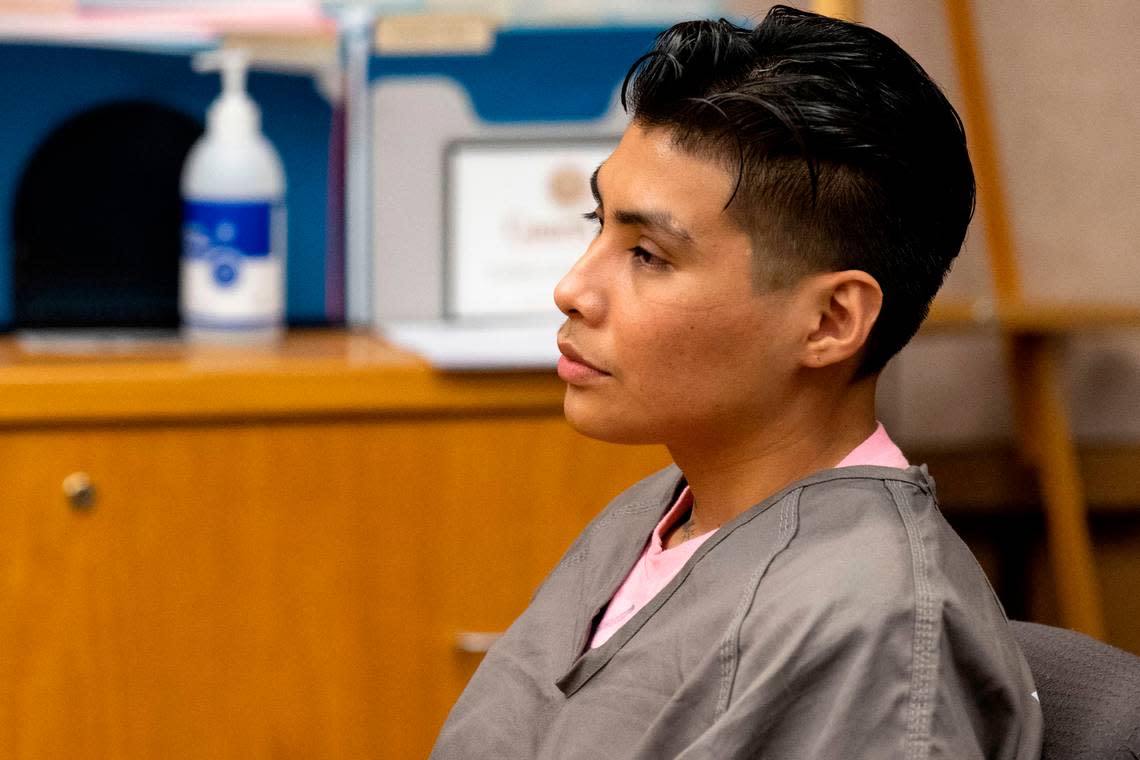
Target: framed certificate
x,y
513,222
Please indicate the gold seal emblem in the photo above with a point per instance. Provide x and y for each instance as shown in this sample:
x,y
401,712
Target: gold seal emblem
x,y
568,186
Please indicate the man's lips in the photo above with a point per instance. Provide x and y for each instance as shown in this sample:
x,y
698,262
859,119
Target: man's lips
x,y
574,368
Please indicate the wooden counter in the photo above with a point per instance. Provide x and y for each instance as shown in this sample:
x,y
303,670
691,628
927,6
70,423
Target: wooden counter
x,y
312,373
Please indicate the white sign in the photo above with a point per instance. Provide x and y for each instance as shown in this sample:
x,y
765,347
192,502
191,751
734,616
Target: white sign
x,y
514,222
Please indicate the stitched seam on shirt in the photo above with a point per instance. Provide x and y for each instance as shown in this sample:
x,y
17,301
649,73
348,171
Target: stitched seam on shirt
x,y
730,647
604,520
639,507
919,709
845,473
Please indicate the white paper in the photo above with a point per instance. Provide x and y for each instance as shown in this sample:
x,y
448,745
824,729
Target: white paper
x,y
515,226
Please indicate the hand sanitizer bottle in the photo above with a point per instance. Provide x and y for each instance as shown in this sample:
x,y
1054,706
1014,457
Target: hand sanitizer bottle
x,y
233,191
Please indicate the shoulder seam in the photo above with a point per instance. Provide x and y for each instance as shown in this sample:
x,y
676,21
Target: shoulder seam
x,y
923,648
860,472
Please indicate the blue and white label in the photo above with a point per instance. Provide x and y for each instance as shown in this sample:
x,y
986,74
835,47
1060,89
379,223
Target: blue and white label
x,y
233,264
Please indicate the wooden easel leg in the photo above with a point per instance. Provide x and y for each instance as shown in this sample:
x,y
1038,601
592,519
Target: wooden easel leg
x,y
845,9
1045,434
1018,359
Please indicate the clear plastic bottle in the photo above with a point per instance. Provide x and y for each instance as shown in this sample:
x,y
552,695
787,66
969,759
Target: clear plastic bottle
x,y
234,240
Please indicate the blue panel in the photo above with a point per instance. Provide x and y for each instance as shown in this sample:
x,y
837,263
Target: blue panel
x,y
43,85
298,121
536,74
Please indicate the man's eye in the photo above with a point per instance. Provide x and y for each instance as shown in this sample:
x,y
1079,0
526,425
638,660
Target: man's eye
x,y
593,216
647,259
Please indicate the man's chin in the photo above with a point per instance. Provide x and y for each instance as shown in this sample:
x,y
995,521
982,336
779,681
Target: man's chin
x,y
594,421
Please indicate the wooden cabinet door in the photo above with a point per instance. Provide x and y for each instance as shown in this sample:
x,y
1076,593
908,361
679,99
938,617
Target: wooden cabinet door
x,y
273,590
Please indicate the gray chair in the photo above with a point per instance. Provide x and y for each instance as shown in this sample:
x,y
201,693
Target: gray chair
x,y
1089,691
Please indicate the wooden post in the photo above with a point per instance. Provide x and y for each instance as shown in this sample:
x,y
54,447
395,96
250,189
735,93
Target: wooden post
x,y
1058,472
983,151
845,9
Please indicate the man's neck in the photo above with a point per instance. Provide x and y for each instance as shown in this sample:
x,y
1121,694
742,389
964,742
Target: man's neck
x,y
729,475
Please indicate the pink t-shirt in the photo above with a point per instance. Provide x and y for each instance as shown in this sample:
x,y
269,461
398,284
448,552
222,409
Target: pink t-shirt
x,y
658,565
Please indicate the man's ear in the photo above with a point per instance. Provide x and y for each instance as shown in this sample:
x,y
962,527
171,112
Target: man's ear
x,y
844,307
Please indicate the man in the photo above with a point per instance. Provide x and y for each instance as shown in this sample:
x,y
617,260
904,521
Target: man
x,y
772,228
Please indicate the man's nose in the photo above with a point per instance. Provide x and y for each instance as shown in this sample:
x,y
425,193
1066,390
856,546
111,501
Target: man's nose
x,y
580,291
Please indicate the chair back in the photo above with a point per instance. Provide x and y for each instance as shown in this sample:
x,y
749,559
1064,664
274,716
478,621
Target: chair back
x,y
1089,692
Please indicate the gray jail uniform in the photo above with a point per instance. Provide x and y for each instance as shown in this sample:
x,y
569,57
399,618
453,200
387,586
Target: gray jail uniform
x,y
840,618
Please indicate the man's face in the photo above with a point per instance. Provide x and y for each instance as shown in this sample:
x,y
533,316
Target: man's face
x,y
666,339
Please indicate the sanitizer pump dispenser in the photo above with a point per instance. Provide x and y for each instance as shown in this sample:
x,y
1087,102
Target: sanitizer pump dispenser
x,y
233,191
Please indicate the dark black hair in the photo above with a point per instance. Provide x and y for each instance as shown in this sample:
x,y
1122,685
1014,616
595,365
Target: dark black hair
x,y
846,153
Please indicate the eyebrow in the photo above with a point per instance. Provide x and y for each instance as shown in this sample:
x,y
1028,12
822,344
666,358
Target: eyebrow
x,y
658,220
